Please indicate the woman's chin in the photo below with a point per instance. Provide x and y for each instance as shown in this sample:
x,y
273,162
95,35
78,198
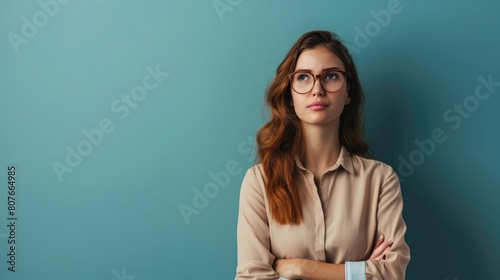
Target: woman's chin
x,y
320,122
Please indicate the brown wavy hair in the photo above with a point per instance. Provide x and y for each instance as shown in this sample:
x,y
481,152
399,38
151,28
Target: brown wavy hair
x,y
280,141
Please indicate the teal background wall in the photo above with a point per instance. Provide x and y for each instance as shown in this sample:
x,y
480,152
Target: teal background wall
x,y
119,116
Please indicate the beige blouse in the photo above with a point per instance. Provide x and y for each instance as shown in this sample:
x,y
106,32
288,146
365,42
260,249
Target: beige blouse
x,y
357,200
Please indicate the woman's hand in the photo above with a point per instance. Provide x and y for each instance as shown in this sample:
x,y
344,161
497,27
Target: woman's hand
x,y
288,268
308,269
380,249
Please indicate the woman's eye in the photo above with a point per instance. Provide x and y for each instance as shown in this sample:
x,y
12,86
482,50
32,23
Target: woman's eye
x,y
331,76
302,77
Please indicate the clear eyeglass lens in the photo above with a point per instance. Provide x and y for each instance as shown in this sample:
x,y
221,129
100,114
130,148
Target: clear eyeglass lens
x,y
304,82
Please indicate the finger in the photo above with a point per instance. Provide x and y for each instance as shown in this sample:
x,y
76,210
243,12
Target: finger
x,y
379,252
380,240
381,248
383,255
276,263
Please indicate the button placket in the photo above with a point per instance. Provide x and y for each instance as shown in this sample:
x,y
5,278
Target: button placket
x,y
319,218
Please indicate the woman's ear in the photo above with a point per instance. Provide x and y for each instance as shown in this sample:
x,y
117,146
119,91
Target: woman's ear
x,y
347,100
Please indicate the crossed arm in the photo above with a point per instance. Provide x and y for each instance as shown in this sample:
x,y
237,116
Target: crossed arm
x,y
316,270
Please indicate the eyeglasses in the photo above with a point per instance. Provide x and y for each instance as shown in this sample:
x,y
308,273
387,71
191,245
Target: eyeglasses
x,y
331,80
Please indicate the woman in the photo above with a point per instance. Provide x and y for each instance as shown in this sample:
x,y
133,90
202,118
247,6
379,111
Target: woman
x,y
315,207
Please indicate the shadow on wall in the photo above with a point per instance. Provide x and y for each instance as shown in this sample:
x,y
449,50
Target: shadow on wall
x,y
447,241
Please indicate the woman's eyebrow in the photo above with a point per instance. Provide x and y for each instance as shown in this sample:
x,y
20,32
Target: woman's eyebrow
x,y
332,68
325,69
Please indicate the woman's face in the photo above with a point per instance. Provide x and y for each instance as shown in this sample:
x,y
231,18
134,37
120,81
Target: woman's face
x,y
318,107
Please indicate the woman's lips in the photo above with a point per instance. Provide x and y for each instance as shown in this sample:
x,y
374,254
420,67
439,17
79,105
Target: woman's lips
x,y
316,106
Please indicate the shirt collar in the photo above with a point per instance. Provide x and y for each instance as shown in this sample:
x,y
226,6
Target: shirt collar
x,y
344,160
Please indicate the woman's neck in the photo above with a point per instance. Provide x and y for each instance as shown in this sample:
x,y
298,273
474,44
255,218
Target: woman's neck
x,y
322,147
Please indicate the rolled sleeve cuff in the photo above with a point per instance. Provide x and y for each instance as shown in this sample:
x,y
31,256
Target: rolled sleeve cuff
x,y
355,271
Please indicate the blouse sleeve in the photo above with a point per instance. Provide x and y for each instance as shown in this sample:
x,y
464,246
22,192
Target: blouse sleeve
x,y
255,260
390,223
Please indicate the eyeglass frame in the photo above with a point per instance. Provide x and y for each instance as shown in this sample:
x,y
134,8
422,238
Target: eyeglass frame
x,y
335,69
